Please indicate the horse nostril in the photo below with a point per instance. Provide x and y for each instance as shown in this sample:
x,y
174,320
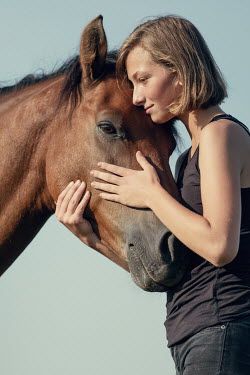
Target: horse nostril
x,y
131,245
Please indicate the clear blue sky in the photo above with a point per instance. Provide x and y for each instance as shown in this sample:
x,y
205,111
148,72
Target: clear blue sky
x,y
64,308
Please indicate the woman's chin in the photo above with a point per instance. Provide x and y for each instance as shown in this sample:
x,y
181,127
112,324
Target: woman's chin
x,y
159,118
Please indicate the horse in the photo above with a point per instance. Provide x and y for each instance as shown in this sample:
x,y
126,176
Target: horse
x,y
54,129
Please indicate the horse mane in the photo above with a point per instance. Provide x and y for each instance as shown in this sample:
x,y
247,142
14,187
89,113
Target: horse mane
x,y
73,74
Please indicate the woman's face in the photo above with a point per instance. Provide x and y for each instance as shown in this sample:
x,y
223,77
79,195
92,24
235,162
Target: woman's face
x,y
155,86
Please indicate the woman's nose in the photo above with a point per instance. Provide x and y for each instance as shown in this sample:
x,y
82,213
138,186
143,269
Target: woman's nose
x,y
138,97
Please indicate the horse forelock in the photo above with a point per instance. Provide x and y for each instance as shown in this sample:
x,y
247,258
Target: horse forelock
x,y
72,88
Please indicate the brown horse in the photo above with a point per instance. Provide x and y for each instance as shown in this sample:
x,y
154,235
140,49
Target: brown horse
x,y
55,129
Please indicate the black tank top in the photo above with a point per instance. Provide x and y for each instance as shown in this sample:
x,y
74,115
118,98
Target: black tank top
x,y
208,295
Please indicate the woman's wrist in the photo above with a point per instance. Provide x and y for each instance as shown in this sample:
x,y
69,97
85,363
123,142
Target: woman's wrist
x,y
90,240
153,194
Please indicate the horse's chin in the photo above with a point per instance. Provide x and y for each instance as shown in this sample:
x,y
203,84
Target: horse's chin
x,y
145,282
142,278
154,272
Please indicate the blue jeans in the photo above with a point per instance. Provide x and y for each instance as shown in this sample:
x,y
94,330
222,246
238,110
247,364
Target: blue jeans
x,y
220,350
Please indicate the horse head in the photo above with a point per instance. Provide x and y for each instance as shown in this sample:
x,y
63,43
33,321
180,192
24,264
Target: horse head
x,y
104,125
55,128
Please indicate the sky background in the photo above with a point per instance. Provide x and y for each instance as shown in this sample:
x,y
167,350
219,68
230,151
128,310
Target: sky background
x,y
65,309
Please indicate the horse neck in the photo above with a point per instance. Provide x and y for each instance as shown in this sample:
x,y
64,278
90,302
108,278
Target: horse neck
x,y
26,119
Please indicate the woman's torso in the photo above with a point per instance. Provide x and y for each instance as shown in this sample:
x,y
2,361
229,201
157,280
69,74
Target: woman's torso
x,y
208,295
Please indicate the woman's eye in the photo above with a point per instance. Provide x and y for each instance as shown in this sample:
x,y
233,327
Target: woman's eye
x,y
142,79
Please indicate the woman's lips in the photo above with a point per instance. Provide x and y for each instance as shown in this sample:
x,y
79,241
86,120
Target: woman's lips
x,y
148,109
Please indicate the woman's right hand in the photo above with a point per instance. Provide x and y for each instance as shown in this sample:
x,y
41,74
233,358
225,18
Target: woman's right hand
x,y
70,207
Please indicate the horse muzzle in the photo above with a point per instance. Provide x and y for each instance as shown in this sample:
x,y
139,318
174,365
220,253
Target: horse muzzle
x,y
156,262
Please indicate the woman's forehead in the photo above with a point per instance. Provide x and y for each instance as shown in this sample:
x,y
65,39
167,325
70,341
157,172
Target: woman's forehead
x,y
137,60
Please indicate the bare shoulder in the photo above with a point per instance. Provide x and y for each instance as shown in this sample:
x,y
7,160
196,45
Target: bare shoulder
x,y
227,139
225,127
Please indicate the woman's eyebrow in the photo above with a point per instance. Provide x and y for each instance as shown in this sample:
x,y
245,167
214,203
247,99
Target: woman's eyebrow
x,y
135,75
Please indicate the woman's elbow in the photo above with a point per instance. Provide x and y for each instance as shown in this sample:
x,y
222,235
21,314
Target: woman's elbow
x,y
224,255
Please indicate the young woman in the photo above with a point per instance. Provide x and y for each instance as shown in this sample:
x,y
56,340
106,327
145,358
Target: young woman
x,y
173,74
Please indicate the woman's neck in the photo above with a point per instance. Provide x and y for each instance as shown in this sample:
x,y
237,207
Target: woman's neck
x,y
195,120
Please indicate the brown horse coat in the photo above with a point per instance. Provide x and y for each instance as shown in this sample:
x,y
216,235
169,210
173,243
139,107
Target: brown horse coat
x,y
55,130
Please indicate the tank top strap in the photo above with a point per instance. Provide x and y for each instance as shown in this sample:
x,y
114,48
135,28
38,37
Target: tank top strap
x,y
180,164
230,117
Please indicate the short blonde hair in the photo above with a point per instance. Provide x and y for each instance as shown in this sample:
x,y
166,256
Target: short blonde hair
x,y
176,43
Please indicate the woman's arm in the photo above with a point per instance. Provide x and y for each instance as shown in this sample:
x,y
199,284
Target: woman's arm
x,y
215,235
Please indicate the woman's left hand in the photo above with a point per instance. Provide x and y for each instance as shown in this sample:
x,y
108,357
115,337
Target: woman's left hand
x,y
127,186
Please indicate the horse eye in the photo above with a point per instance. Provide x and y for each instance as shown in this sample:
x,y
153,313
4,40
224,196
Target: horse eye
x,y
107,127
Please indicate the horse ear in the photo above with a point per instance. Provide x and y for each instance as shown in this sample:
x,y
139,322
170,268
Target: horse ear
x,y
93,50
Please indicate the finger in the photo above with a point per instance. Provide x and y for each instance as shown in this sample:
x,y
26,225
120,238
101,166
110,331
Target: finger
x,y
120,171
64,204
106,177
110,197
74,201
105,187
82,204
142,160
62,195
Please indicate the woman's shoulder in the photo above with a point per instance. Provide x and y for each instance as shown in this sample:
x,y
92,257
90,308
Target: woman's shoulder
x,y
225,124
227,140
229,132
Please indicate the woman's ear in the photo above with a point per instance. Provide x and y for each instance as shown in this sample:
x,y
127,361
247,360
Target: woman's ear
x,y
178,83
178,80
